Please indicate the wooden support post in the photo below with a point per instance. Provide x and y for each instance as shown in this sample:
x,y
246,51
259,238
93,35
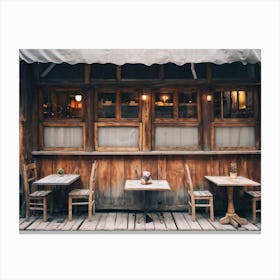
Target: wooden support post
x,y
207,112
118,73
146,120
87,73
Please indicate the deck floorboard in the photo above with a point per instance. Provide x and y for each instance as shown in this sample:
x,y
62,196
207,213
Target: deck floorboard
x,y
131,221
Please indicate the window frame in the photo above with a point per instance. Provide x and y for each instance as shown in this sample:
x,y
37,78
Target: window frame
x,y
225,148
176,117
118,105
171,148
61,124
238,88
97,125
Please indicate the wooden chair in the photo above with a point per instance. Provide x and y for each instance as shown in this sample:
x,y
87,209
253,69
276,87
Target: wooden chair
x,y
84,196
254,196
194,197
36,200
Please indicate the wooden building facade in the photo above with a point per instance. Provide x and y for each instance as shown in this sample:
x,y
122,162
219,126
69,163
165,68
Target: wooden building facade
x,y
134,117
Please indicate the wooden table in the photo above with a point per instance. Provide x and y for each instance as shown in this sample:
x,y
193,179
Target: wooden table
x,y
55,180
230,183
157,185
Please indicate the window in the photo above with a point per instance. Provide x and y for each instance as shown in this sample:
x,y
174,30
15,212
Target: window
x,y
164,105
234,136
118,136
118,105
235,124
129,105
180,137
56,136
176,105
61,104
107,105
176,120
233,104
237,136
187,104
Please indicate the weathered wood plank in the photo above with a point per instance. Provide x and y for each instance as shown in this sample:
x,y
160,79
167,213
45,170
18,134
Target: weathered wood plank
x,y
110,221
35,224
181,222
218,226
25,224
250,227
127,221
169,221
131,221
158,225
102,222
56,222
193,225
204,223
77,222
141,225
121,221
91,226
103,193
117,182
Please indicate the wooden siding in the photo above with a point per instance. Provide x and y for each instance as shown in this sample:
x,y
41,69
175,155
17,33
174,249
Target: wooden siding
x,y
114,170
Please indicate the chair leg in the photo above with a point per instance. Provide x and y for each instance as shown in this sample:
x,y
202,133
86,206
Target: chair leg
x,y
93,208
45,209
69,208
254,212
211,209
193,212
89,211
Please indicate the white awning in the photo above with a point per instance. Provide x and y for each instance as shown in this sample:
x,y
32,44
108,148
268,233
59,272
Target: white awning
x,y
143,56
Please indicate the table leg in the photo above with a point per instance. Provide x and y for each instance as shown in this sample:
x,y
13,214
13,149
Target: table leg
x,y
231,217
146,217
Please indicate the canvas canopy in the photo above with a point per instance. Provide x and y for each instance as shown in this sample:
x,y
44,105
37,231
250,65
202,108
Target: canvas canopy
x,y
143,56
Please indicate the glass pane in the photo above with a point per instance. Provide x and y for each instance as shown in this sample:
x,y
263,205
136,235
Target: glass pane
x,y
106,105
176,136
229,105
235,104
217,105
118,136
129,105
164,105
235,137
63,137
62,104
187,105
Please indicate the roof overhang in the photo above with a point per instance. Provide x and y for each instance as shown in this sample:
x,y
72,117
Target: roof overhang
x,y
143,56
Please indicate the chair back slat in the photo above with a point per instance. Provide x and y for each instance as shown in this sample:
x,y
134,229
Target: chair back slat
x,y
30,175
92,179
188,178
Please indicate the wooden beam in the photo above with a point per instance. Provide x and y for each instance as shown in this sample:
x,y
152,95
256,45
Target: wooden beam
x,y
87,73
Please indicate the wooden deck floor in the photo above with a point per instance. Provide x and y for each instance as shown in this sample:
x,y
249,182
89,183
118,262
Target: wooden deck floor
x,y
128,222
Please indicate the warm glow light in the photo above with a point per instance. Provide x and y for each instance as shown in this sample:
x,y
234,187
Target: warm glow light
x,y
234,100
209,98
242,99
144,97
164,98
78,97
